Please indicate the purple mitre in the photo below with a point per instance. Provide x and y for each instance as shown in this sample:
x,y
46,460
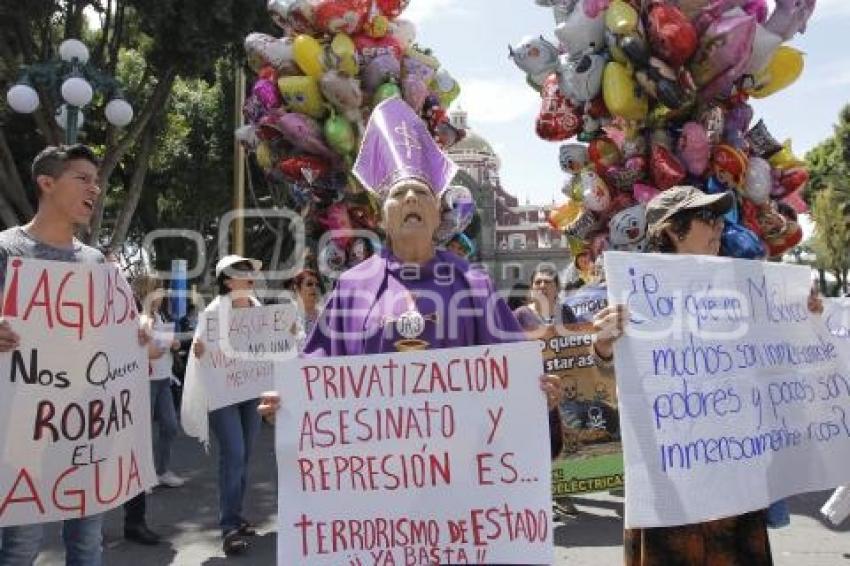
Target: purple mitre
x,y
396,146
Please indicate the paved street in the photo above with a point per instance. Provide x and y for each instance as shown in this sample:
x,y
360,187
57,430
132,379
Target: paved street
x,y
187,519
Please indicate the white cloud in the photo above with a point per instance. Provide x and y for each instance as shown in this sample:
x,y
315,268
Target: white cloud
x,y
497,100
421,10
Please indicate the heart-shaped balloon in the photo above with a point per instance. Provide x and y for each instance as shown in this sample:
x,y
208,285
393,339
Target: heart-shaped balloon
x,y
370,47
603,152
557,120
665,168
788,181
347,16
391,8
267,93
644,193
303,168
671,34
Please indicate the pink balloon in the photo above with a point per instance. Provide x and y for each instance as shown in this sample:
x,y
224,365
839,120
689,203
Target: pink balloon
x,y
644,193
694,148
724,53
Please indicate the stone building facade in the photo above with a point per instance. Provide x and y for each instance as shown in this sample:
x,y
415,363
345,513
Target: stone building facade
x,y
512,238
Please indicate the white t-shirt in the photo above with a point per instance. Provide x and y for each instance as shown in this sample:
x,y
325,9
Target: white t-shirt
x,y
163,336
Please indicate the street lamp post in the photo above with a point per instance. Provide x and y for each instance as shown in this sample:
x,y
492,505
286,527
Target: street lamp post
x,y
79,81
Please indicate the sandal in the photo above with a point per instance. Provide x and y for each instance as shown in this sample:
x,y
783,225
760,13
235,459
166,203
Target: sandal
x,y
233,543
247,529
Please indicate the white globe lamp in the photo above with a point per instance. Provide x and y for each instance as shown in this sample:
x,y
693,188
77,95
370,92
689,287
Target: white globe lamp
x,y
22,98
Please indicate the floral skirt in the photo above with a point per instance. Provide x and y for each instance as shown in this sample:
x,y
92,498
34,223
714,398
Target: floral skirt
x,y
734,541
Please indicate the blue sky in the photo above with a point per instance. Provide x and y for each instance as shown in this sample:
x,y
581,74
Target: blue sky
x,y
471,39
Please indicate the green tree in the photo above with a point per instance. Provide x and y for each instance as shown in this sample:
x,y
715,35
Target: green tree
x,y
148,44
831,240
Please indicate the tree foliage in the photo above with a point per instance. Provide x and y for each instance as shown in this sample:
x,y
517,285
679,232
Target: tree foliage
x,y
151,45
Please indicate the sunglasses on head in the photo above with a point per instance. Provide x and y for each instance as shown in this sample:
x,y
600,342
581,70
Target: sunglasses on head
x,y
245,267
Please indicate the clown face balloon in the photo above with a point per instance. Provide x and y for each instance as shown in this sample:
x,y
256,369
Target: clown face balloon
x,y
627,229
558,120
536,56
334,16
301,94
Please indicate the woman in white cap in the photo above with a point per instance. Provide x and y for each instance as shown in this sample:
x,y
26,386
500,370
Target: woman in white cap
x,y
235,426
684,220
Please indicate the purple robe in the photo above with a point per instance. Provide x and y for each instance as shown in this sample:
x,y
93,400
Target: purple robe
x,y
461,306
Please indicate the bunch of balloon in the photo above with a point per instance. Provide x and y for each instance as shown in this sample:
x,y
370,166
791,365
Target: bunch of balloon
x,y
315,87
657,93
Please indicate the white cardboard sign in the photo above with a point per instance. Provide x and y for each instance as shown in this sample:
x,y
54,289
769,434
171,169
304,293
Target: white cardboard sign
x,y
75,428
415,458
732,394
241,347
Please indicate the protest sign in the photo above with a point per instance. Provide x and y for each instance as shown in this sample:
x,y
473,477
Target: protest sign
x,y
592,459
732,394
587,301
836,316
74,396
429,457
240,350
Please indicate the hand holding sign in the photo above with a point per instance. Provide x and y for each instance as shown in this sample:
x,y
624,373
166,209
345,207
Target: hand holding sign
x,y
609,324
8,339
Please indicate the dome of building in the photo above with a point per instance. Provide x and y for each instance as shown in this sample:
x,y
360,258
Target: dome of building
x,y
472,142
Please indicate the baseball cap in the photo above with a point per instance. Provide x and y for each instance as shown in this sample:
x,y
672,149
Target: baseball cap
x,y
684,197
231,260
